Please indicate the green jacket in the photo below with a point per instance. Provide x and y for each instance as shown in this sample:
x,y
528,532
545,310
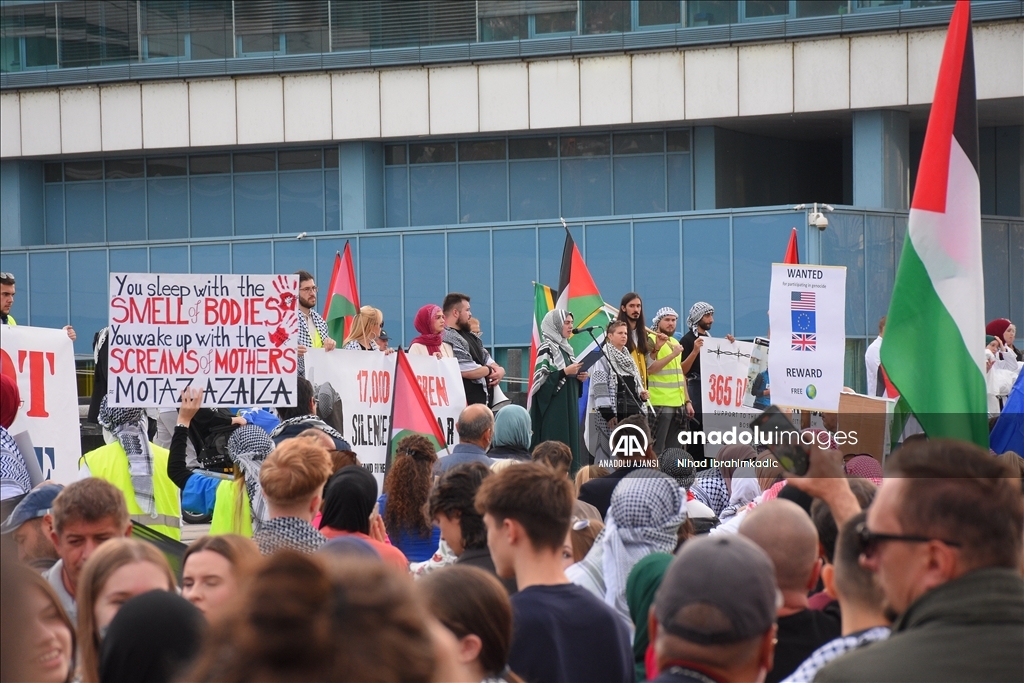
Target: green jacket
x,y
970,629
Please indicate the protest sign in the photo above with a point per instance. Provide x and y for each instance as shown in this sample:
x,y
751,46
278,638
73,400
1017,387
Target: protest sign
x,y
869,419
234,336
808,335
364,381
723,379
42,362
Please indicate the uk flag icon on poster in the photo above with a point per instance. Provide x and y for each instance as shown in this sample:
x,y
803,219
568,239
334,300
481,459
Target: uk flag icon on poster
x,y
801,306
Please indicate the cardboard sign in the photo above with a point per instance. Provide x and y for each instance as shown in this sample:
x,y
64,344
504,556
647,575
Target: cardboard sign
x,y
234,336
723,378
364,381
808,336
42,361
870,419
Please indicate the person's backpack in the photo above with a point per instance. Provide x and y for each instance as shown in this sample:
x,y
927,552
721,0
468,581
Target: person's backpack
x,y
213,456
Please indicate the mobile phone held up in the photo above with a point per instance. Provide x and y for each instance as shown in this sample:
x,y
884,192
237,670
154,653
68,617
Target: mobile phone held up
x,y
785,440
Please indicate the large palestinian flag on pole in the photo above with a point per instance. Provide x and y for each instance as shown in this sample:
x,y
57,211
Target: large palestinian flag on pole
x,y
939,295
578,294
410,411
342,300
543,302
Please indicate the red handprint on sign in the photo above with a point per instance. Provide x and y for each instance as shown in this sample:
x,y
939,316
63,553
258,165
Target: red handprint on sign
x,y
284,331
286,287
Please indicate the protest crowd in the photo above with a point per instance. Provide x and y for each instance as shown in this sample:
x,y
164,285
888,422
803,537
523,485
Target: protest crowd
x,y
528,551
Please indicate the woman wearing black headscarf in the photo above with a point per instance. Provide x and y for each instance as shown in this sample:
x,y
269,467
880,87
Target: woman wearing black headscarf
x,y
350,499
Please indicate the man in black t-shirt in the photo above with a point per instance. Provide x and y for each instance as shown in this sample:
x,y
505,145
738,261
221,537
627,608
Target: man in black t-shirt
x,y
699,322
560,631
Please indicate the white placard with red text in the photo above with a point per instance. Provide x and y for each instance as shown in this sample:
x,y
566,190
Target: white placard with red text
x,y
364,380
234,336
42,361
723,378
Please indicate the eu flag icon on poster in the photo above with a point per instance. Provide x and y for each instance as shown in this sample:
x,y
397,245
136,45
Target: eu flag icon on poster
x,y
804,325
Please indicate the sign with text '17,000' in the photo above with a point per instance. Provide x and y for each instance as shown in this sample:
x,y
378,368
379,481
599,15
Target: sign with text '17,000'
x,y
234,336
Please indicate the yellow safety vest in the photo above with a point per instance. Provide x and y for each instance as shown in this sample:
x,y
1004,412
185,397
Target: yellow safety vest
x,y
227,519
111,464
667,386
10,321
641,365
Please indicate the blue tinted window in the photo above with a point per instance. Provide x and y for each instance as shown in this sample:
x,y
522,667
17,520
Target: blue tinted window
x,y
255,204
17,265
424,275
607,256
168,208
49,286
211,205
396,198
54,214
296,255
758,241
1016,311
881,264
656,265
469,272
680,184
586,187
995,245
302,201
326,251
89,273
843,245
84,203
533,189
129,260
639,184
251,257
514,259
380,285
126,211
483,192
168,260
706,268
332,200
212,259
433,194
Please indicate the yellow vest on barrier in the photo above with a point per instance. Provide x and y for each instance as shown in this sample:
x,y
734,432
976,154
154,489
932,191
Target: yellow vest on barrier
x,y
227,518
111,464
667,386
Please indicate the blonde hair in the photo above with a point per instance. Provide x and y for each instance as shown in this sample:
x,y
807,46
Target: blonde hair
x,y
361,323
108,558
241,552
587,473
503,463
294,471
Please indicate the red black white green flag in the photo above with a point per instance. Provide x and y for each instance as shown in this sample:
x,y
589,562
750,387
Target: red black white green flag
x,y
342,300
410,411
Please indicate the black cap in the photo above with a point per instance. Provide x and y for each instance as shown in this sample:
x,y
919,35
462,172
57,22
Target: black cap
x,y
720,589
383,334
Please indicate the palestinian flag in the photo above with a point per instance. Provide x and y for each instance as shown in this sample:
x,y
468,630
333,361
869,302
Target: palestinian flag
x,y
939,292
342,300
410,412
578,294
543,302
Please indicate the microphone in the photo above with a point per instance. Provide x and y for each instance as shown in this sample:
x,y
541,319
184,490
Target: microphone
x,y
577,330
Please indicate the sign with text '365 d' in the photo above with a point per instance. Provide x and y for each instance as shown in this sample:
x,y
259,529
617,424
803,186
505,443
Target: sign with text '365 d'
x,y
234,336
807,310
723,378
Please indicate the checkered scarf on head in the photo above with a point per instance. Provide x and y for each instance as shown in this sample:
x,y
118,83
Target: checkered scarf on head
x,y
662,312
646,510
698,311
248,447
130,427
550,358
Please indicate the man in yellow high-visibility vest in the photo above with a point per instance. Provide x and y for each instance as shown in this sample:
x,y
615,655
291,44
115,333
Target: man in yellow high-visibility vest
x,y
666,382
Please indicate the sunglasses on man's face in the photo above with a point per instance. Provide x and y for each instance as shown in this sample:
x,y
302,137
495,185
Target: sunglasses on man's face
x,y
869,541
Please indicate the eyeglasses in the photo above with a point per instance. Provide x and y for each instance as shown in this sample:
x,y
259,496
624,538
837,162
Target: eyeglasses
x,y
580,524
308,289
869,541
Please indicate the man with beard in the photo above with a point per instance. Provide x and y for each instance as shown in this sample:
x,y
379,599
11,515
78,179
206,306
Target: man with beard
x,y
480,374
666,382
312,328
631,312
700,320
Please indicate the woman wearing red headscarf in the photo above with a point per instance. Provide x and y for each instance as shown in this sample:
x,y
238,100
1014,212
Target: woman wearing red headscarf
x,y
429,322
1006,332
14,479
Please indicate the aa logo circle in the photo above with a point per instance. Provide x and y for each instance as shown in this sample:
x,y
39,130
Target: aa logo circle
x,y
628,441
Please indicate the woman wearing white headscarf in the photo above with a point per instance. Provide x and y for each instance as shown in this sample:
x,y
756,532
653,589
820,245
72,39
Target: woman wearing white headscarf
x,y
555,390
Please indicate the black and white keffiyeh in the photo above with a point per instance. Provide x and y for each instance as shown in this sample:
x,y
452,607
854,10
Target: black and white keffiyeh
x,y
248,447
698,311
604,380
130,427
553,349
13,471
646,510
354,345
306,339
834,649
711,489
308,421
288,532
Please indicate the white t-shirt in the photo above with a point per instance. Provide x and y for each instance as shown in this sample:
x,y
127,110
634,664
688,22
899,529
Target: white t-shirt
x,y
872,359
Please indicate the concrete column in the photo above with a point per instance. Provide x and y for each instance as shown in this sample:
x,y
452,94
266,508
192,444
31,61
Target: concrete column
x,y
362,186
881,159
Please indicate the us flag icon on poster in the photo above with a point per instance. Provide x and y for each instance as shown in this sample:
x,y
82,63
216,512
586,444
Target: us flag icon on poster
x,y
805,336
